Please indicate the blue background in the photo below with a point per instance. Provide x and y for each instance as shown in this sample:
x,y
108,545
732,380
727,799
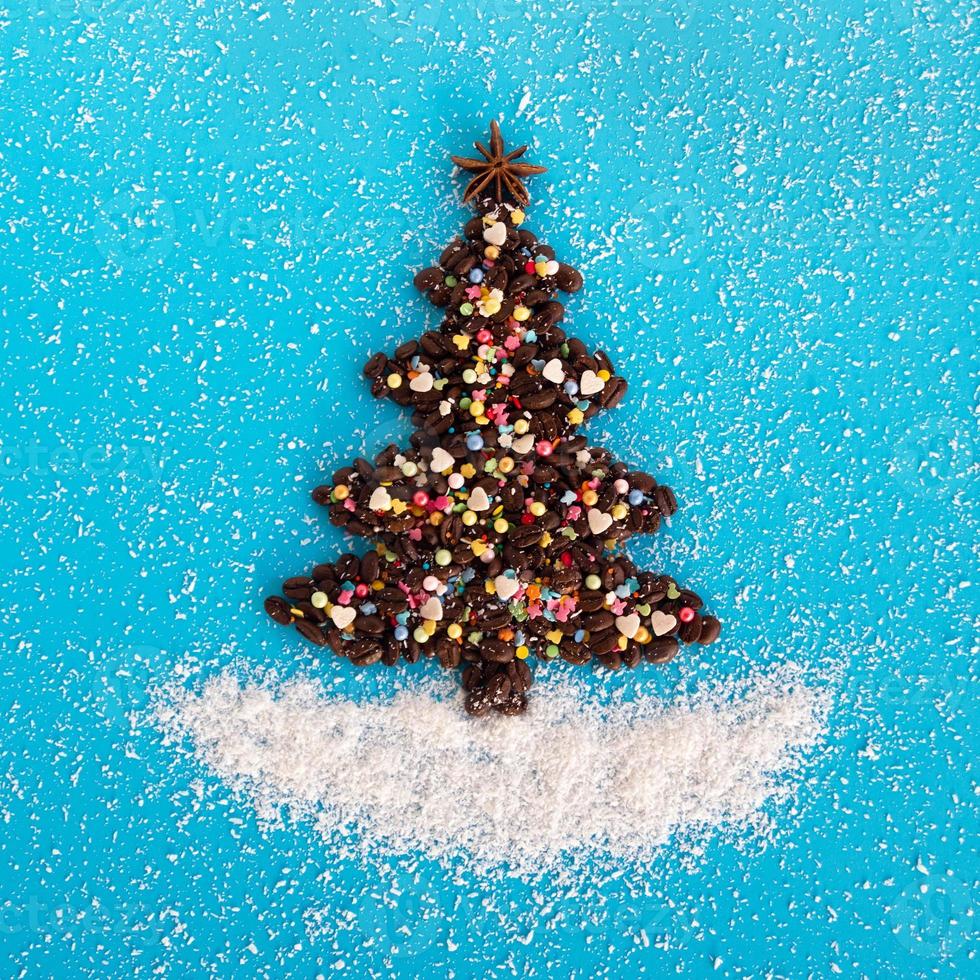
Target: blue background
x,y
211,213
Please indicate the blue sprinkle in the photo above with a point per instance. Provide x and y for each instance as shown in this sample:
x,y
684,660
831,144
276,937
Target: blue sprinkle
x,y
347,586
568,497
571,387
401,633
635,498
369,608
622,591
579,636
476,275
474,442
530,337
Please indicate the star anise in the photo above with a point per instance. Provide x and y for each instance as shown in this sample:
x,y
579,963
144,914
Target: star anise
x,y
498,174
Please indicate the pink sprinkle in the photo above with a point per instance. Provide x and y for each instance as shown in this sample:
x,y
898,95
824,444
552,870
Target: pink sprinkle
x,y
544,448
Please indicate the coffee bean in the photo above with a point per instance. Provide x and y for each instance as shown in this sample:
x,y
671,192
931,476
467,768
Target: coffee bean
x,y
710,630
309,631
278,609
661,649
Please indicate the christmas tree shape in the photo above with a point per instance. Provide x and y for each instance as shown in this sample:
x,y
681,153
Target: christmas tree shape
x,y
499,531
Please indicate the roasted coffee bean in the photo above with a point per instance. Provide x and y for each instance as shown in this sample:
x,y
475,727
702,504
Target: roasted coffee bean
x,y
661,649
710,630
496,651
322,495
598,621
372,625
590,601
310,631
665,500
516,704
369,567
278,609
297,588
525,536
477,704
365,653
602,643
569,280
612,660
375,366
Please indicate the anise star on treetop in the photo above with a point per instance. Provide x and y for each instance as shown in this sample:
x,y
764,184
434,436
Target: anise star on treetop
x,y
498,169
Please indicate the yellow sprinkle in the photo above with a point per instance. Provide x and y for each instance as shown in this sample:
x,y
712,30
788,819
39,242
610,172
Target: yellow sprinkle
x,y
505,465
469,518
576,416
476,409
341,492
623,642
454,631
545,539
603,374
589,497
398,506
521,426
490,586
420,635
500,525
429,625
618,511
467,471
522,653
538,508
517,216
492,252
521,313
642,635
478,547
554,636
461,341
296,612
394,380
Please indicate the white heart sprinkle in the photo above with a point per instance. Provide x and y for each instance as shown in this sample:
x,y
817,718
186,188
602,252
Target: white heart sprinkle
x,y
421,382
505,587
590,383
380,499
441,460
478,499
662,622
496,234
598,521
554,371
523,445
629,626
342,616
431,609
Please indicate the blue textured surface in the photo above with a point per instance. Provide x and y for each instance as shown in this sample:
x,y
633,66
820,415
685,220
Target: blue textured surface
x,y
211,216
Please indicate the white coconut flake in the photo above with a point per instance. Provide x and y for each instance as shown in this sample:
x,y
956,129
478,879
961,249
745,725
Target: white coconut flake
x,y
571,780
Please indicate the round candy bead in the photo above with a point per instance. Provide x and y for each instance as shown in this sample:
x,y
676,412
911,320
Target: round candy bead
x,y
443,557
454,631
686,614
394,380
544,448
318,600
409,468
474,442
466,309
593,582
420,498
469,376
401,633
341,492
361,591
455,481
635,498
476,275
420,635
430,583
551,651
